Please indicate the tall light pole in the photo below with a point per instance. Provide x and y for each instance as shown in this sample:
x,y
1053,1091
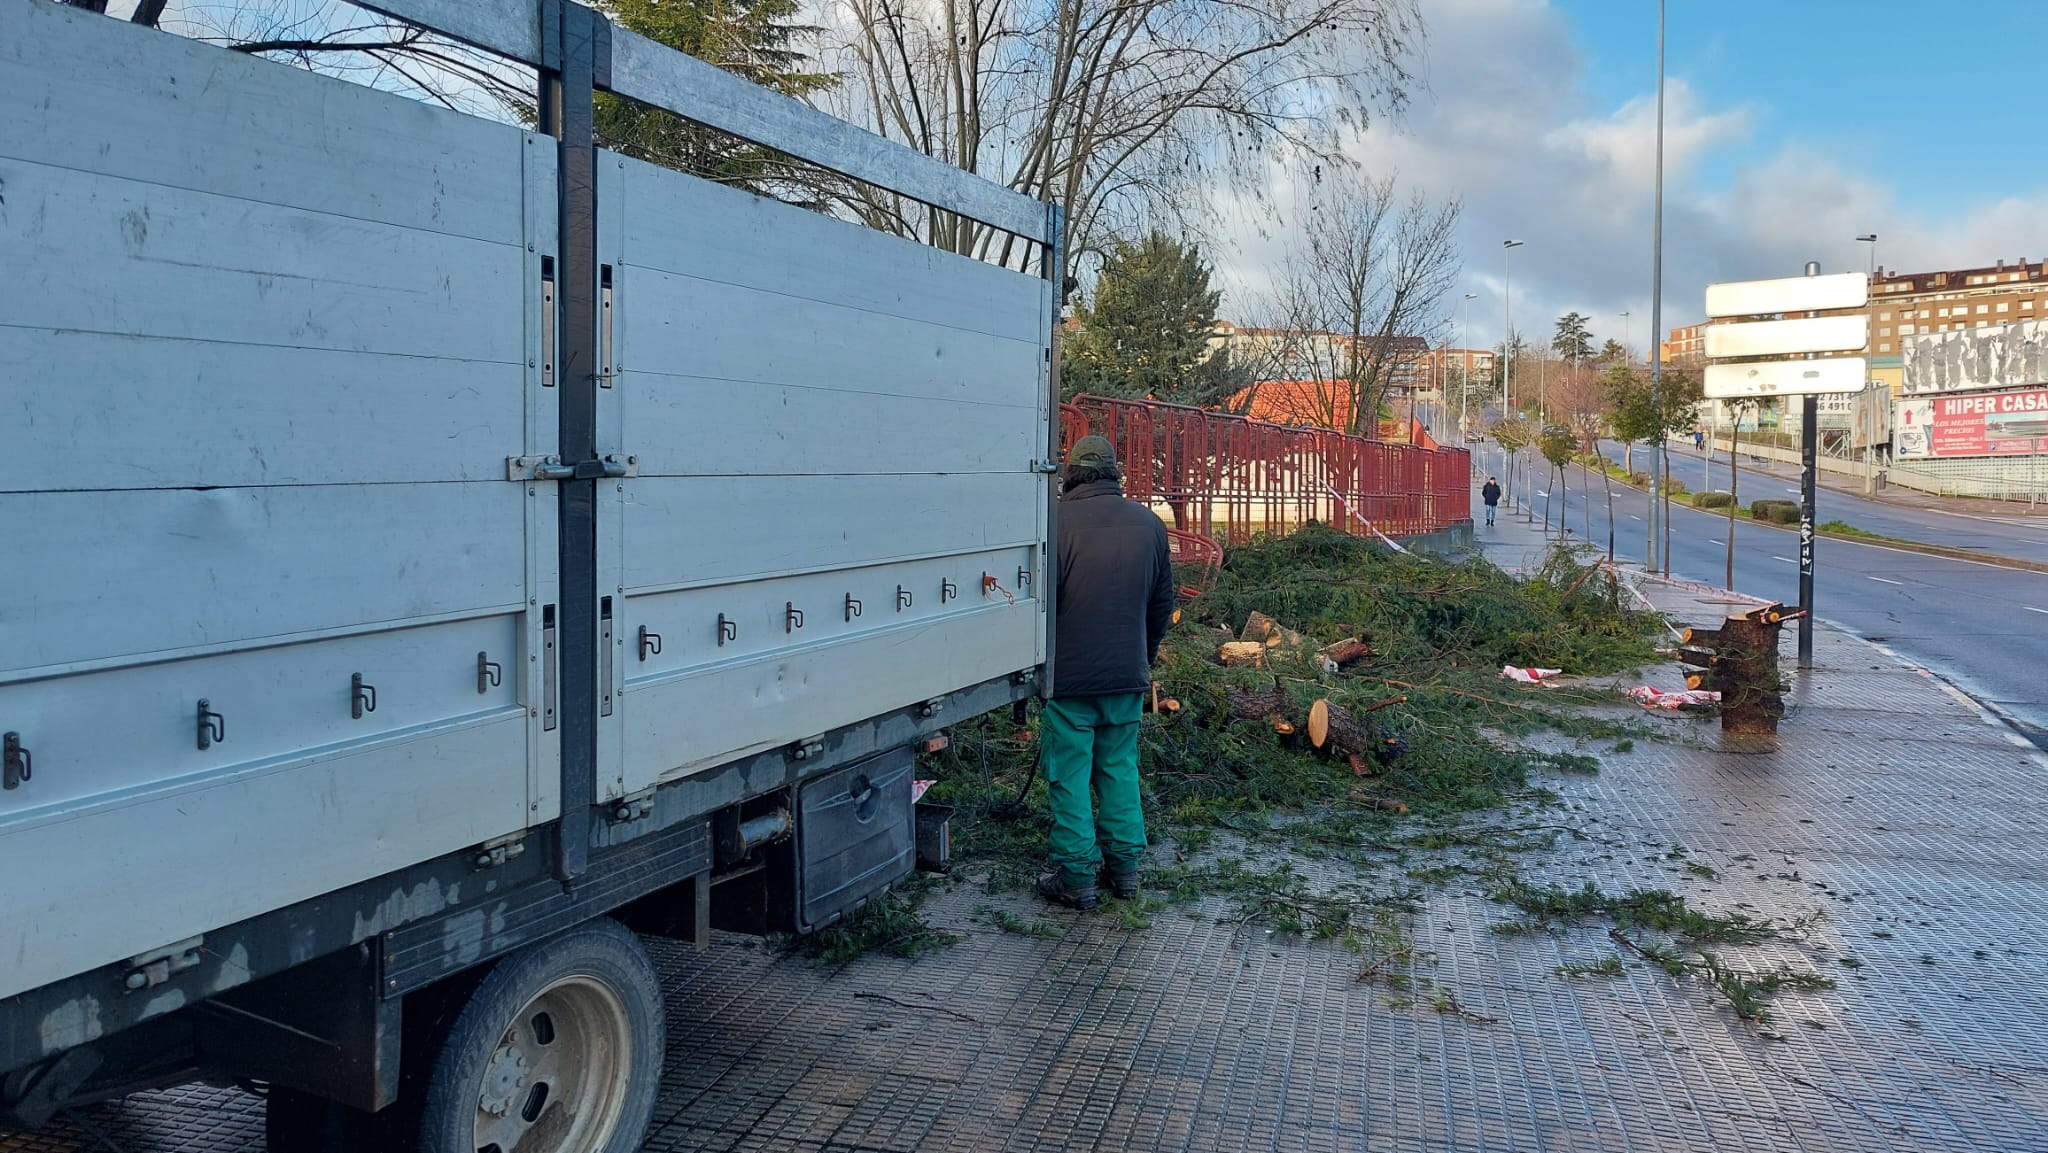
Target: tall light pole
x,y
1870,451
1507,321
1465,361
1658,515
1507,335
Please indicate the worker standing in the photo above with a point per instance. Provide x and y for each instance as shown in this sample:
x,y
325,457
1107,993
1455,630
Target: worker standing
x,y
1115,603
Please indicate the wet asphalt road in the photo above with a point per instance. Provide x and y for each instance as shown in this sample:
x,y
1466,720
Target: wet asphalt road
x,y
1980,626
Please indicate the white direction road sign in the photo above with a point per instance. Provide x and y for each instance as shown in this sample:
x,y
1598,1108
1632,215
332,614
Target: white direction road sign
x,y
1788,294
1785,377
1778,337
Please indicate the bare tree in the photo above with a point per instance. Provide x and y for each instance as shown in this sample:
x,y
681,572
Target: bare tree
x,y
1116,109
340,39
1364,291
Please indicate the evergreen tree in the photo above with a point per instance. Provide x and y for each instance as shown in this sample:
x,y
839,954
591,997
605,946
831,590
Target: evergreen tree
x,y
1574,340
1147,331
752,39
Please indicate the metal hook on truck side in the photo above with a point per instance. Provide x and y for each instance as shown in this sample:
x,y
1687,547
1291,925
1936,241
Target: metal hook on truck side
x,y
16,765
362,698
212,726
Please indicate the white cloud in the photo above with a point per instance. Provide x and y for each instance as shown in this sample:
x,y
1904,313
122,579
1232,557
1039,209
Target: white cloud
x,y
1506,124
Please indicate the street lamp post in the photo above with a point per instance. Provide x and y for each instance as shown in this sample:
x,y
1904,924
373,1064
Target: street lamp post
x,y
1658,515
1507,321
1507,329
1465,362
1870,450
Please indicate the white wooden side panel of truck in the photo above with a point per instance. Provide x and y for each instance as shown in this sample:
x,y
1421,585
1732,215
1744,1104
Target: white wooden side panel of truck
x,y
266,341
438,551
277,614
833,431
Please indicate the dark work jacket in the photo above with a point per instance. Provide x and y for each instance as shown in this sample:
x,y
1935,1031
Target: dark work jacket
x,y
1490,493
1115,599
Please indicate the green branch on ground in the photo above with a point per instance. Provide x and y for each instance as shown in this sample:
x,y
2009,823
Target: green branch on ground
x,y
1684,929
888,923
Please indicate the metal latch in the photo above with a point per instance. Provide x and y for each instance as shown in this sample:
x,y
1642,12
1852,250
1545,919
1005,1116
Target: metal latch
x,y
491,854
637,807
522,468
810,748
148,970
1047,467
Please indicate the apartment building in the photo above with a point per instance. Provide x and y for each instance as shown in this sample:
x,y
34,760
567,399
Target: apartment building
x,y
1686,346
1916,303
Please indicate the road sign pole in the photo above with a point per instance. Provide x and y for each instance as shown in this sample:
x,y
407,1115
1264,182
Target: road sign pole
x,y
1809,451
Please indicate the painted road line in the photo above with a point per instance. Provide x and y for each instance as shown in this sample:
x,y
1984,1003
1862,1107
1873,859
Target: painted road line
x,y
1719,542
1633,516
2032,609
1886,580
1786,559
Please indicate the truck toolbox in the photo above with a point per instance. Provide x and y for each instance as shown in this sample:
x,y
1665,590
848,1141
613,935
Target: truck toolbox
x,y
856,830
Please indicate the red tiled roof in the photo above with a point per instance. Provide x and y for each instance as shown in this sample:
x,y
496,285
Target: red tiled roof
x,y
1314,403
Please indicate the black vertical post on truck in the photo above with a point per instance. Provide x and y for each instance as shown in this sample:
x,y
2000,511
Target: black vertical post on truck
x,y
575,44
1052,257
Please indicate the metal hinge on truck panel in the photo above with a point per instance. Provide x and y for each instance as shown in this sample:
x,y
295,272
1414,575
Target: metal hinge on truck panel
x,y
525,468
636,807
547,322
605,656
148,970
604,326
493,853
547,668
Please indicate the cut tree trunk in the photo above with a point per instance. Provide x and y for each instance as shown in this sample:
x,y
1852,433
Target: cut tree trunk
x,y
1347,652
1269,705
1333,729
1242,654
1271,633
1252,704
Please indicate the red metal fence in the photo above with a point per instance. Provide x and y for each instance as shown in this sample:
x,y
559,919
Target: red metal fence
x,y
1228,478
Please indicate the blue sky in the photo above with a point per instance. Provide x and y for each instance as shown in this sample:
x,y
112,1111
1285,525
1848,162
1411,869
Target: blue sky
x,y
1905,87
1792,127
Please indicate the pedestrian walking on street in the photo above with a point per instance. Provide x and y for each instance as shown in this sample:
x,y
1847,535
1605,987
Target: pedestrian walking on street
x,y
1115,602
1699,439
1490,493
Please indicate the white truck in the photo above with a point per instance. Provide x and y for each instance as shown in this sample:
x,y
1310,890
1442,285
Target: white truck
x,y
439,551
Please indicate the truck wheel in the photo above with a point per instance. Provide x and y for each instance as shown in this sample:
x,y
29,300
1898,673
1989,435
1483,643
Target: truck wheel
x,y
558,1050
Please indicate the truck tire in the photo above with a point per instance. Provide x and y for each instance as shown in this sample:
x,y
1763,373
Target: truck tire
x,y
557,1050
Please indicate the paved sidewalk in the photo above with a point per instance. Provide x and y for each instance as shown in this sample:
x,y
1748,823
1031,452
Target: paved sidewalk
x,y
1898,823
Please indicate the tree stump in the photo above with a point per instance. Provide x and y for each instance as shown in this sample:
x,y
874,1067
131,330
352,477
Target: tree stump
x,y
1242,655
1346,652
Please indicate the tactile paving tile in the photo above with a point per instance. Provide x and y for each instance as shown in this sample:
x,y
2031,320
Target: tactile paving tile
x,y
1913,834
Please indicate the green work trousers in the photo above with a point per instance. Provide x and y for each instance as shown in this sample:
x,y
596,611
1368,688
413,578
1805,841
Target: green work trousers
x,y
1089,742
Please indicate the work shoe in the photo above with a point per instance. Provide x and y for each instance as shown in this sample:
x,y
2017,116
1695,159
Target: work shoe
x,y
1053,887
1122,882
